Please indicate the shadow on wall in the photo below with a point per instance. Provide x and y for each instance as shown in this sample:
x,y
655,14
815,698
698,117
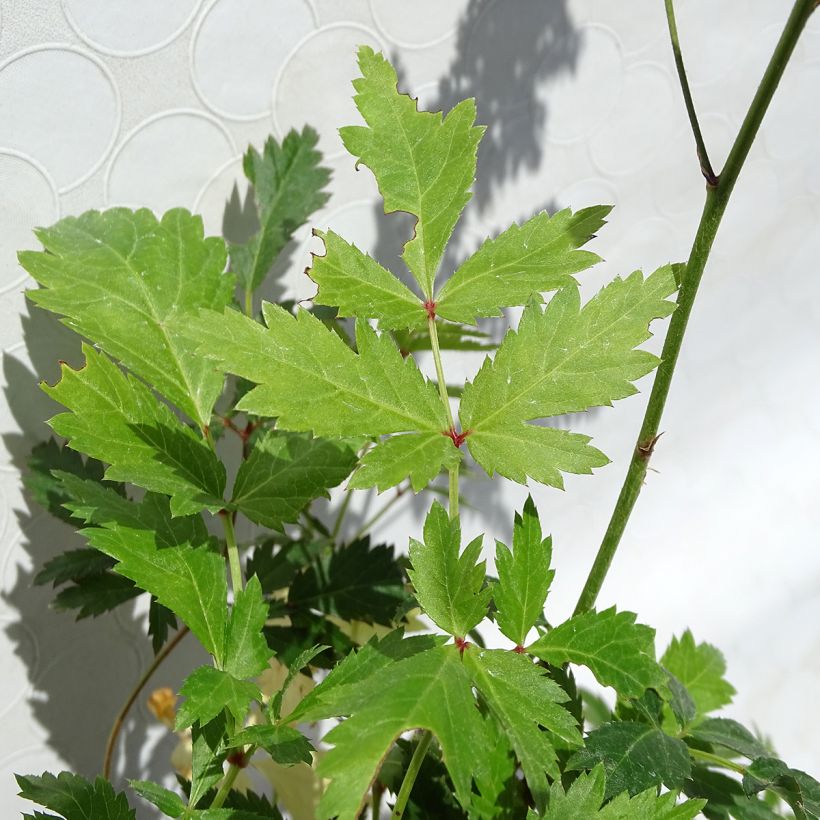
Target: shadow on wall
x,y
81,673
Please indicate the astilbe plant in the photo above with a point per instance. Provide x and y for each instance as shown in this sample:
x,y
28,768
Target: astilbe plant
x,y
445,725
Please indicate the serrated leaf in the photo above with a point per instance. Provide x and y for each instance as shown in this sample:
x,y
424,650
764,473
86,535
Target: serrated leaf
x,y
294,668
246,650
285,472
355,582
430,690
730,734
334,695
72,565
160,620
449,587
521,263
582,801
635,757
288,186
619,652
74,797
522,699
125,281
700,668
680,701
424,163
285,745
168,802
208,753
169,557
116,418
46,490
798,789
357,285
524,576
312,381
562,359
726,798
96,594
419,457
207,691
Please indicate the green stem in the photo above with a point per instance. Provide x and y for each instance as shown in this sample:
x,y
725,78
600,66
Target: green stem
x,y
453,495
337,526
411,774
708,757
379,514
233,552
135,692
225,788
442,384
717,198
703,156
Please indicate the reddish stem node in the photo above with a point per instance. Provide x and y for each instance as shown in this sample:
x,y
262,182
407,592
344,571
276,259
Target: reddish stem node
x,y
457,438
430,307
462,644
238,759
519,650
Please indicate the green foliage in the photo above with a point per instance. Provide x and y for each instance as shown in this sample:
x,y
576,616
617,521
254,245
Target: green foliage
x,y
449,584
619,652
125,280
207,691
288,185
74,797
524,576
700,668
284,744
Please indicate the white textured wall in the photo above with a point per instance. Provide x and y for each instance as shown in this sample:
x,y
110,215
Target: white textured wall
x,y
106,102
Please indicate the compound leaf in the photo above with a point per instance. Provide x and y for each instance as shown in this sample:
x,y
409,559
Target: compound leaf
x,y
172,558
560,360
700,668
424,163
359,286
635,756
524,576
430,690
312,381
288,186
523,699
115,418
417,456
521,263
207,691
285,472
126,281
449,587
619,652
74,797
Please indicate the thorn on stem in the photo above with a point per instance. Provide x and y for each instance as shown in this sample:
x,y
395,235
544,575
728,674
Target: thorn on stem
x,y
646,447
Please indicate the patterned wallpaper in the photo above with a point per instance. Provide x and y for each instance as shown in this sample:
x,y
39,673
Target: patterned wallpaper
x,y
106,102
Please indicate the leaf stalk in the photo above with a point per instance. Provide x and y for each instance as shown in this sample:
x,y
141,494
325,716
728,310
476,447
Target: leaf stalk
x,y
412,772
717,198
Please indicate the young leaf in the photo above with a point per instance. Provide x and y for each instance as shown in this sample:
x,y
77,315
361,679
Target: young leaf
x,y
208,691
285,745
700,668
74,797
288,186
246,650
522,699
285,472
359,286
46,490
449,587
208,753
117,419
294,668
521,263
169,557
582,801
563,359
619,652
168,802
125,280
417,456
430,690
313,382
730,734
524,576
424,164
635,757
355,582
